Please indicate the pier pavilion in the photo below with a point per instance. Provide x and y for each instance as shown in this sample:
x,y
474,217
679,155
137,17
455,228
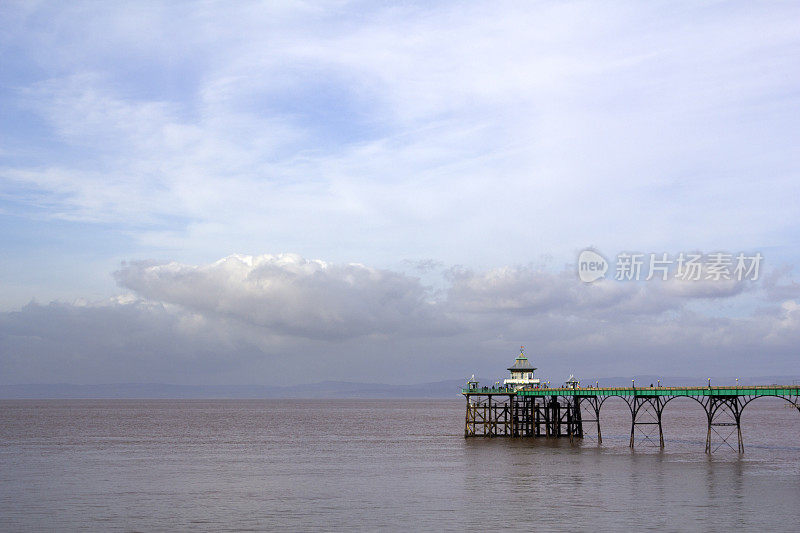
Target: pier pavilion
x,y
521,373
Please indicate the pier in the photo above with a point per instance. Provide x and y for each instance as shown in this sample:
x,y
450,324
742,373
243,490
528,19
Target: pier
x,y
528,409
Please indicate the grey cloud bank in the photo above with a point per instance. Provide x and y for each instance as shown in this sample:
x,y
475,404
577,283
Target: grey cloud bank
x,y
282,319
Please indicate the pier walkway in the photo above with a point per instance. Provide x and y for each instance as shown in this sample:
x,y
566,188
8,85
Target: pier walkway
x,y
562,412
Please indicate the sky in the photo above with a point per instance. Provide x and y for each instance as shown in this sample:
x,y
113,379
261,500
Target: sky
x,y
289,192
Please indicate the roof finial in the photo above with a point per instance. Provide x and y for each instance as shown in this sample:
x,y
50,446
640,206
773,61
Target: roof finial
x,y
521,349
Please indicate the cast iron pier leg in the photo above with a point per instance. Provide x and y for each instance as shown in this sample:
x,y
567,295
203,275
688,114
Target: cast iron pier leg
x,y
657,405
732,405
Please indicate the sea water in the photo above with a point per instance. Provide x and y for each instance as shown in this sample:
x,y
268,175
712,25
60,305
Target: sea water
x,y
300,465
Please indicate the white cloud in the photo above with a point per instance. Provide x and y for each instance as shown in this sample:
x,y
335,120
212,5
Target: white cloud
x,y
289,295
466,134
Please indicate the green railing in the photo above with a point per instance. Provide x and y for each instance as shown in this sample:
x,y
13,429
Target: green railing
x,y
489,390
750,390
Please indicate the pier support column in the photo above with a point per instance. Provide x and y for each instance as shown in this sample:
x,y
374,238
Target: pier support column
x,y
593,408
646,411
577,417
570,421
468,417
555,417
724,420
546,412
574,417
489,420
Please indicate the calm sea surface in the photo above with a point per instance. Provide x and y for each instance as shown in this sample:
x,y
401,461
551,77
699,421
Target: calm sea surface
x,y
215,465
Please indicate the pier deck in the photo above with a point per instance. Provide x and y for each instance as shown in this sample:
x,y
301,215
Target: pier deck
x,y
561,412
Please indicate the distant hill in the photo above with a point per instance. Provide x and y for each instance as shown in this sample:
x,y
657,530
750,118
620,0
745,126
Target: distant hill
x,y
670,381
330,389
325,389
